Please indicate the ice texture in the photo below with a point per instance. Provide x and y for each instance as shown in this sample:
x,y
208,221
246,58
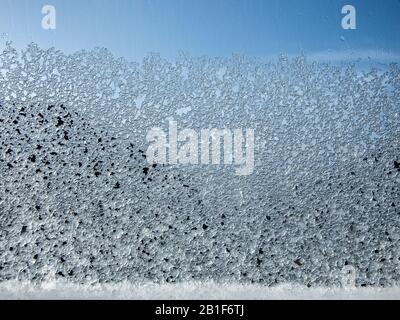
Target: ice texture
x,y
79,202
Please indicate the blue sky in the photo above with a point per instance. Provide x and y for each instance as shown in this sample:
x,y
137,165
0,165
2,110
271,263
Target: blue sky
x,y
132,28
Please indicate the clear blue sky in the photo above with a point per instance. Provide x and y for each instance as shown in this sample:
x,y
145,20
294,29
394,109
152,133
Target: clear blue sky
x,y
132,28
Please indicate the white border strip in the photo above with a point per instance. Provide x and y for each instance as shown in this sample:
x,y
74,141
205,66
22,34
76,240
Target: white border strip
x,y
188,290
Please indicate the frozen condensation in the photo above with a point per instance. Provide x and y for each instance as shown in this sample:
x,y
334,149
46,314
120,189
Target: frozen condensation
x,y
79,202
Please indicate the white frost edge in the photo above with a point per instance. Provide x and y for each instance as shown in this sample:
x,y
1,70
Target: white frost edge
x,y
60,290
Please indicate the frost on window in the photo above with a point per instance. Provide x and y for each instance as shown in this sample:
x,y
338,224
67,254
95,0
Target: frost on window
x,y
78,200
